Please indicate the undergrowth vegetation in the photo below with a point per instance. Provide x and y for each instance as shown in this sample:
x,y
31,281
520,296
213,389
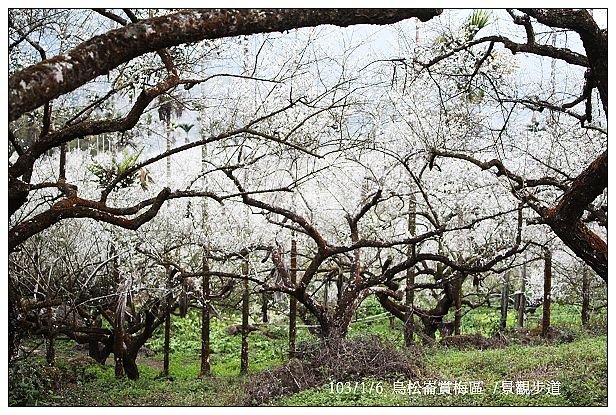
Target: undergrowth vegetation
x,y
366,369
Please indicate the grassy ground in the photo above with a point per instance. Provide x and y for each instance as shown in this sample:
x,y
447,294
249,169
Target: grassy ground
x,y
580,367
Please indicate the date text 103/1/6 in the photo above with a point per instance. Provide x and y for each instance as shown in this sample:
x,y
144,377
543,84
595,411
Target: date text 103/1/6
x,y
356,387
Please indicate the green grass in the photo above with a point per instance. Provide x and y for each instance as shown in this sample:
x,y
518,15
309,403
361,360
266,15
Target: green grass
x,y
580,367
183,390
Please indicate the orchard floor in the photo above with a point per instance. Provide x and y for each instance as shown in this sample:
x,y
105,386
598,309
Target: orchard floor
x,y
575,373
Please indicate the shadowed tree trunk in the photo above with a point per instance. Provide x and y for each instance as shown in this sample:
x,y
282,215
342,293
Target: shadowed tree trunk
x,y
50,352
339,284
168,304
205,282
14,332
292,299
504,308
98,353
118,326
457,322
264,307
547,292
433,319
409,324
118,348
522,298
326,291
135,342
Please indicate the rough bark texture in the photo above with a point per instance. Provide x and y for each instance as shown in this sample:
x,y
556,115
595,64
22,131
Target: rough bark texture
x,y
37,84
75,207
564,219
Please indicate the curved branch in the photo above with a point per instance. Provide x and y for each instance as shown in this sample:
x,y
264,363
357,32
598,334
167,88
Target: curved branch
x,y
37,84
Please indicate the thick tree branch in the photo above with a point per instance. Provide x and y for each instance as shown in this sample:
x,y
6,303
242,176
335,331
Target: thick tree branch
x,y
85,128
593,38
35,85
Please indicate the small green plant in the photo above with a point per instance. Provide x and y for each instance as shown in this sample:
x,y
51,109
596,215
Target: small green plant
x,y
107,174
30,382
475,22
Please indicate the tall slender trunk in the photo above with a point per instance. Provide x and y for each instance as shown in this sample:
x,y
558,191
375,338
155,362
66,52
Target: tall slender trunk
x,y
168,159
457,320
326,292
264,307
339,284
245,310
205,320
118,348
547,293
205,311
118,333
504,301
409,324
62,174
585,298
522,298
167,344
292,299
50,350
